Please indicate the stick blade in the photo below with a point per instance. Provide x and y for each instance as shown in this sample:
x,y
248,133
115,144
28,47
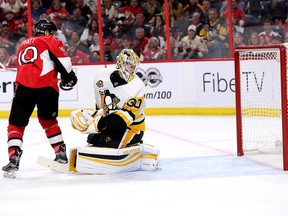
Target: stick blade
x,y
53,165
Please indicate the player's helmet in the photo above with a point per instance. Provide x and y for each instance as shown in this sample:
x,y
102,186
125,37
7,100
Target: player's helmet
x,y
127,62
42,25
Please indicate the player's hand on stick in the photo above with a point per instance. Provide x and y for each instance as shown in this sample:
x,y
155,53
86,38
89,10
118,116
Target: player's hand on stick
x,y
69,80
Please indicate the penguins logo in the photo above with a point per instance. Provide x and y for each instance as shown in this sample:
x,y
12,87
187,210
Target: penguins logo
x,y
152,75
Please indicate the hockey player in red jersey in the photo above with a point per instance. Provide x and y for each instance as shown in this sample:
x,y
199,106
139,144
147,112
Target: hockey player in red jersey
x,y
40,58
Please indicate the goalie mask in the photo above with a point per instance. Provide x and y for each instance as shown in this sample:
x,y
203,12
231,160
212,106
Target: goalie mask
x,y
42,25
127,62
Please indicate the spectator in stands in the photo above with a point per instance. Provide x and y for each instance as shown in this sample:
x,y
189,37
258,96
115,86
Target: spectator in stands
x,y
196,21
77,56
21,24
173,46
253,8
158,28
277,40
181,23
37,9
170,14
268,33
61,36
74,22
127,44
141,41
7,37
116,42
180,51
238,39
95,55
93,5
108,54
75,39
254,39
238,15
151,8
177,7
140,22
12,5
275,10
11,19
153,51
196,47
86,11
217,36
123,23
111,10
106,24
133,8
89,31
281,26
4,56
95,42
206,7
193,6
57,13
22,3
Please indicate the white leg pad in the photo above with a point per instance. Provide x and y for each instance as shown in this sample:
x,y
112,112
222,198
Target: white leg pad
x,y
96,160
150,158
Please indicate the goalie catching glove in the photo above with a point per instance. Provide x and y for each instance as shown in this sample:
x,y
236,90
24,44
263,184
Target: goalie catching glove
x,y
69,80
86,120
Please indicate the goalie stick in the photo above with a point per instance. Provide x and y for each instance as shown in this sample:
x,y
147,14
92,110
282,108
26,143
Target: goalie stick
x,y
53,165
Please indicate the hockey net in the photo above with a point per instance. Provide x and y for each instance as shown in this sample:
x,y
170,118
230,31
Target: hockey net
x,y
261,100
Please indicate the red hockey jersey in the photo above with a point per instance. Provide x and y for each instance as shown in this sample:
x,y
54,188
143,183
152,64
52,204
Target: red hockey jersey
x,y
40,59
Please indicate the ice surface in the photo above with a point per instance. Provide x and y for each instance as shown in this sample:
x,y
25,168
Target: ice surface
x,y
201,175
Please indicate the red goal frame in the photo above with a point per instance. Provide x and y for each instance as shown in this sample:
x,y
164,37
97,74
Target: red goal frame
x,y
284,101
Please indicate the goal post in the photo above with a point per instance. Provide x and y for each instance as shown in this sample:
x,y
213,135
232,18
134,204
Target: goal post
x,y
261,100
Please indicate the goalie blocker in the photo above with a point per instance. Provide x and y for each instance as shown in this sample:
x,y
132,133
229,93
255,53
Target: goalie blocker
x,y
97,160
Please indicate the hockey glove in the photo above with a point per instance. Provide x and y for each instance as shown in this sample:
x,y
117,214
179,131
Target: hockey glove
x,y
86,121
69,80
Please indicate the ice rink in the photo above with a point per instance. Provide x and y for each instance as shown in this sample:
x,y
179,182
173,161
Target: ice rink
x,y
201,175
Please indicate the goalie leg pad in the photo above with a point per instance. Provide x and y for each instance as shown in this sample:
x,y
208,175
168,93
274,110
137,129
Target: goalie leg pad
x,y
97,160
150,158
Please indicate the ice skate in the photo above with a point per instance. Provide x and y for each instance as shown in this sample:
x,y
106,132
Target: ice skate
x,y
13,166
61,156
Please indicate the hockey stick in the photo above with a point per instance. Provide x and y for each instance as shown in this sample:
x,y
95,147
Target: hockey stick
x,y
53,165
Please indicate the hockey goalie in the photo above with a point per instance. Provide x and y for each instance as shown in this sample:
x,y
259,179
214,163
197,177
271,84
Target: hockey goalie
x,y
116,127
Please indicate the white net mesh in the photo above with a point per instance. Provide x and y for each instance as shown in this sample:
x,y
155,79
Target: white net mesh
x,y
261,100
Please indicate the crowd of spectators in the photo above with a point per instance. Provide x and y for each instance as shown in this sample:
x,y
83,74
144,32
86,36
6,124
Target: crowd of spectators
x,y
198,28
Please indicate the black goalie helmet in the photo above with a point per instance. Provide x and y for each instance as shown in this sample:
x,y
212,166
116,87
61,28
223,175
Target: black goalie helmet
x,y
42,25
